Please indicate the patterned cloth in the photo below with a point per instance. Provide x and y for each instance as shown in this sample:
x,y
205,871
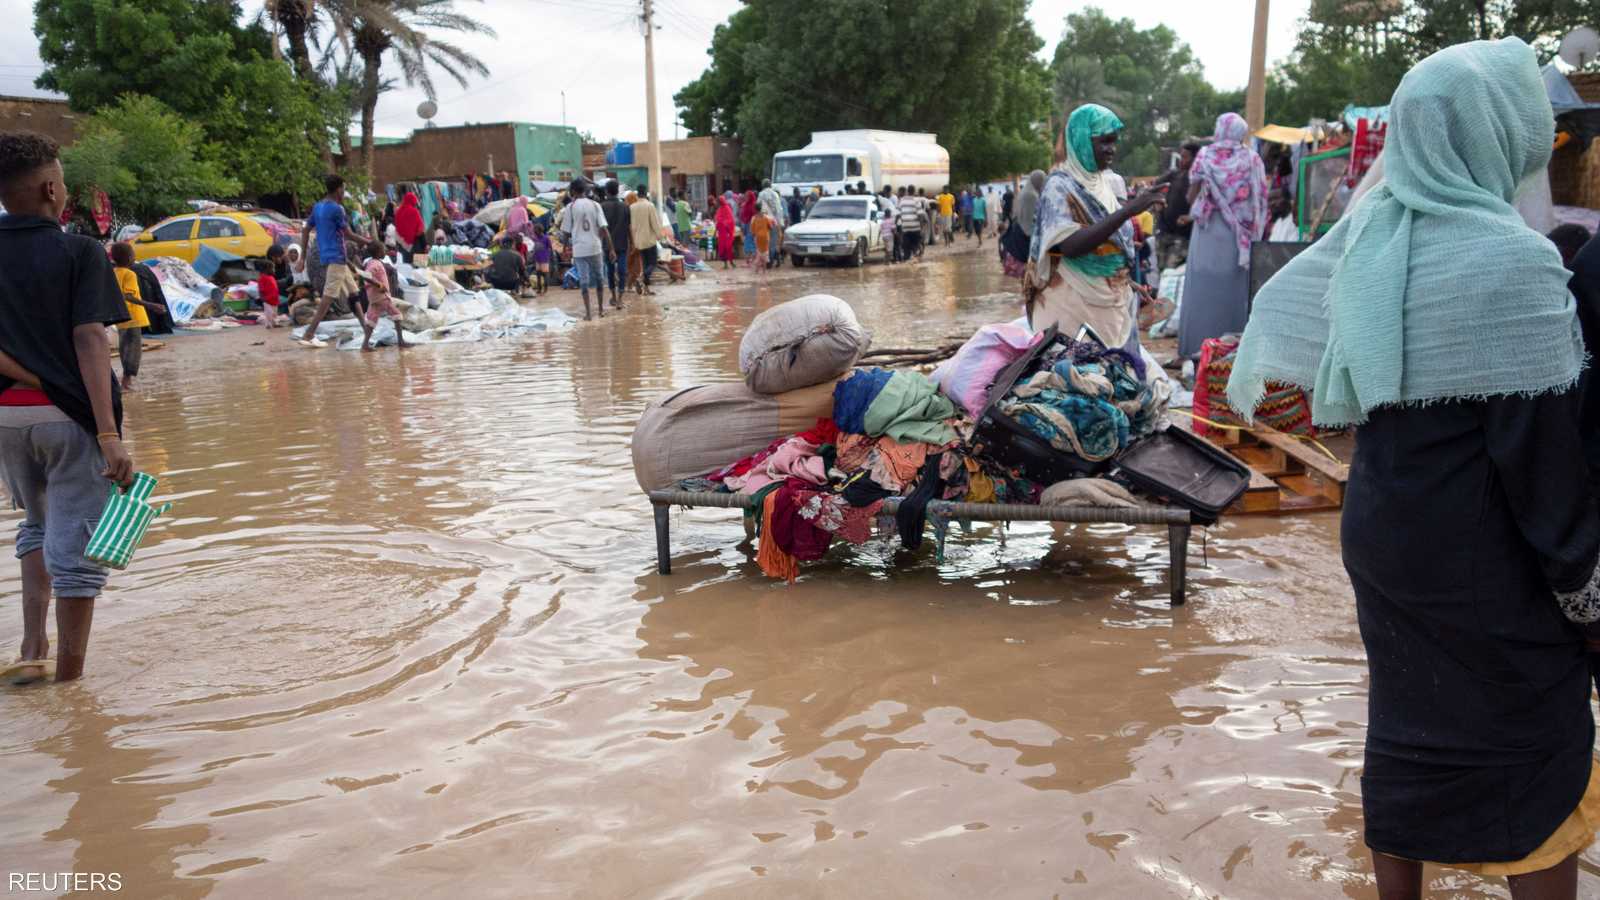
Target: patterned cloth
x,y
1233,184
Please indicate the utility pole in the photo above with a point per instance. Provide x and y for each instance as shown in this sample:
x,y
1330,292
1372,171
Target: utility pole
x,y
657,190
1255,98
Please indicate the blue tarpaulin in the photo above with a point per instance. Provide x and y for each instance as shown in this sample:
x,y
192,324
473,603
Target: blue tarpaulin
x,y
210,259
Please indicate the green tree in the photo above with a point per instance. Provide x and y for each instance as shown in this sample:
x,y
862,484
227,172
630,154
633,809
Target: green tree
x,y
405,30
1147,76
147,157
780,70
263,157
1357,52
710,103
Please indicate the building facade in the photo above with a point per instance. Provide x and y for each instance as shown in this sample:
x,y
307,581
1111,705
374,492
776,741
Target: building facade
x,y
698,166
51,118
529,152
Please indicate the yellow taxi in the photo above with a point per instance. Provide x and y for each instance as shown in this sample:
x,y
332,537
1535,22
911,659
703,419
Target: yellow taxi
x,y
246,233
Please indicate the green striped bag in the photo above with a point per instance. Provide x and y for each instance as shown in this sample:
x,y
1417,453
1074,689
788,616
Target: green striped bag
x,y
123,523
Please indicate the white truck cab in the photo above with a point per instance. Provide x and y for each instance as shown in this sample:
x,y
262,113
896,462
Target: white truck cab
x,y
835,160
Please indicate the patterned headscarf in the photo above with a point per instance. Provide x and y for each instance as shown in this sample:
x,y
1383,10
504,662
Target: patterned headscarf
x,y
1233,184
1086,123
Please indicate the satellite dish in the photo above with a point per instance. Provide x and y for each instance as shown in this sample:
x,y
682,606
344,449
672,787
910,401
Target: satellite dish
x,y
1580,47
427,109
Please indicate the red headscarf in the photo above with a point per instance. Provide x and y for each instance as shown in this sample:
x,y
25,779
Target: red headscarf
x,y
724,216
408,220
747,211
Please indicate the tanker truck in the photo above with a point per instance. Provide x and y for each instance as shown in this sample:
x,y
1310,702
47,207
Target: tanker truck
x,y
835,159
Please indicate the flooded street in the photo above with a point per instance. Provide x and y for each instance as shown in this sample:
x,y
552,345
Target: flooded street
x,y
402,635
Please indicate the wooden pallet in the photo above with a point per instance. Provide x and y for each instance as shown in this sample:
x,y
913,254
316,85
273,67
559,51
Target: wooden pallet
x,y
1287,475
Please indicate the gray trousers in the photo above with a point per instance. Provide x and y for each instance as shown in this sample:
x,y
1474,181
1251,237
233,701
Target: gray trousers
x,y
51,468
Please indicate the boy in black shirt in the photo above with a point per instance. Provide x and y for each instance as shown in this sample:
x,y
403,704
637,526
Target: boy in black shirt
x,y
60,412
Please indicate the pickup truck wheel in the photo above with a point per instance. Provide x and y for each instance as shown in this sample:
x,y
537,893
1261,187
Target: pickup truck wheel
x,y
860,259
797,260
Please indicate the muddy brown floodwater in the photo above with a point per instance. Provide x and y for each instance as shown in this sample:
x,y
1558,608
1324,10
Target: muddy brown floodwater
x,y
403,636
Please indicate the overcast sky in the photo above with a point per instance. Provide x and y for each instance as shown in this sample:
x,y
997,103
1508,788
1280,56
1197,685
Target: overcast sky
x,y
532,60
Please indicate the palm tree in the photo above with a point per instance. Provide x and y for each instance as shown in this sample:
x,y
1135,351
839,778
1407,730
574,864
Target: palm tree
x,y
403,27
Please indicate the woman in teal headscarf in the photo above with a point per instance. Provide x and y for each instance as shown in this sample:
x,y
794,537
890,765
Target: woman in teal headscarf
x,y
1433,319
1080,260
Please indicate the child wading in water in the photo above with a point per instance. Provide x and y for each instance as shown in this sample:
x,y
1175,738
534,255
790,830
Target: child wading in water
x,y
379,301
130,334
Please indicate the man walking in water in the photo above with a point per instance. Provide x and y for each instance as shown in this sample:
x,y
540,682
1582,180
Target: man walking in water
x,y
585,228
60,412
332,227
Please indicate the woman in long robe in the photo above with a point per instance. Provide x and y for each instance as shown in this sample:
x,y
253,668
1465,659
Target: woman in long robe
x,y
1441,326
1080,259
1228,193
727,232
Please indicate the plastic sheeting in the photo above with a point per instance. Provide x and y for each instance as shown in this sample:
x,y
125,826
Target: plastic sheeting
x,y
183,287
462,317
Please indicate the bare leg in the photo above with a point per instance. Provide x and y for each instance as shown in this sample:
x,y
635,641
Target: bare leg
x,y
587,315
1559,882
74,615
1398,879
35,606
317,317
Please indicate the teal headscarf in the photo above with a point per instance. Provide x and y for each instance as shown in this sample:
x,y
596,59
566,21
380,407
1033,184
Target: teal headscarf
x,y
1086,123
1432,287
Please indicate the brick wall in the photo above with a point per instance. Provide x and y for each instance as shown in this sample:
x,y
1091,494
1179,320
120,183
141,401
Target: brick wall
x,y
52,118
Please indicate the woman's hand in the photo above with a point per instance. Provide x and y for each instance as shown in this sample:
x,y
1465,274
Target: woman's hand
x,y
1146,199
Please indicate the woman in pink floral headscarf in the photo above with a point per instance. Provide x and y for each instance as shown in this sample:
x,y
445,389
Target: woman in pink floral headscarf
x,y
1228,190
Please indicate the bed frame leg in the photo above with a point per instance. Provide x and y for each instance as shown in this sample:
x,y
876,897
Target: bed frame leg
x,y
663,539
1178,568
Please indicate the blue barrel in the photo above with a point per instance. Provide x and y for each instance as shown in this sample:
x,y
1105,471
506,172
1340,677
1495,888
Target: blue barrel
x,y
620,154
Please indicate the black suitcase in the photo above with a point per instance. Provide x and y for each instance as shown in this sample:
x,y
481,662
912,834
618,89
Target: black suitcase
x,y
1185,470
1002,439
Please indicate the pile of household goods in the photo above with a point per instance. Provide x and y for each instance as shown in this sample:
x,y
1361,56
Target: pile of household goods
x,y
818,444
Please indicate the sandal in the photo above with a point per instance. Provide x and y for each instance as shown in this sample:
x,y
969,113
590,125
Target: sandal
x,y
27,671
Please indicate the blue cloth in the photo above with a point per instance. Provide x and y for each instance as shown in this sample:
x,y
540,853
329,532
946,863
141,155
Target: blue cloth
x,y
331,223
853,395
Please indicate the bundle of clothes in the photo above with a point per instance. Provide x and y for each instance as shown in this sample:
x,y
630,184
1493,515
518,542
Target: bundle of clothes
x,y
894,434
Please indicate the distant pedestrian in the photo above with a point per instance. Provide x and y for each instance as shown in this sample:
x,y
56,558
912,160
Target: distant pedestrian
x,y
645,222
380,302
683,222
60,409
507,270
964,211
980,215
583,228
727,231
541,259
796,206
617,218
887,232
771,203
271,285
747,214
910,225
130,334
331,228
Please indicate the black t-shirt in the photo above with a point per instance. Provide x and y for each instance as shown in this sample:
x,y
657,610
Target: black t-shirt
x,y
506,266
617,218
50,283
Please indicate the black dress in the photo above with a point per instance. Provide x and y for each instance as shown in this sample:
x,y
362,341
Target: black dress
x,y
1462,521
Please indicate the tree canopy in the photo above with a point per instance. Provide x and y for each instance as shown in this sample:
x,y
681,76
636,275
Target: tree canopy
x,y
241,111
1148,77
895,65
146,156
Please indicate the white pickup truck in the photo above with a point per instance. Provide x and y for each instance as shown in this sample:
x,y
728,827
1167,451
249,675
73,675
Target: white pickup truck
x,y
839,228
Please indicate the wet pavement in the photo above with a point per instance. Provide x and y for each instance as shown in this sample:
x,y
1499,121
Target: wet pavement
x,y
403,635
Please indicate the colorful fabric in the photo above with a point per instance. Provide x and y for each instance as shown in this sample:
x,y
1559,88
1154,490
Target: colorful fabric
x,y
123,523
1284,408
1365,149
798,538
1233,183
967,376
853,394
909,407
833,514
1091,404
1409,299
